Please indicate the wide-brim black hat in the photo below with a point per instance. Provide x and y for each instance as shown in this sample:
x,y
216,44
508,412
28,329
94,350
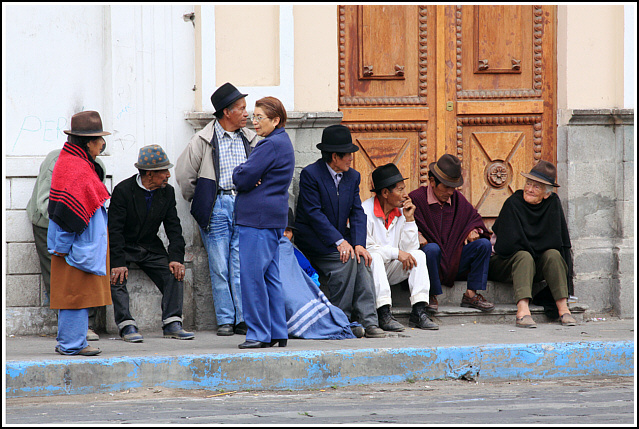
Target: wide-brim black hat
x,y
544,172
448,170
224,96
385,176
337,138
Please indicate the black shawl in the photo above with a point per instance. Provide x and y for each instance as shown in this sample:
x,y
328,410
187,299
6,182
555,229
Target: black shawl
x,y
534,228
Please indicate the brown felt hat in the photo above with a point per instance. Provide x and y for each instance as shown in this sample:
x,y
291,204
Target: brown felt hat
x,y
448,170
86,124
544,172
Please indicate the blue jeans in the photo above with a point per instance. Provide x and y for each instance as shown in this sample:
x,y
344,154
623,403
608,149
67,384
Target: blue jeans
x,y
222,245
475,257
264,306
72,330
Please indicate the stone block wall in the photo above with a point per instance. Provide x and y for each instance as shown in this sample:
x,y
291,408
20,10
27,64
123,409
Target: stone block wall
x,y
596,170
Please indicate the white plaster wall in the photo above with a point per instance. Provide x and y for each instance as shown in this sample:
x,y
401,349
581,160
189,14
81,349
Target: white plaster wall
x,y
53,66
590,56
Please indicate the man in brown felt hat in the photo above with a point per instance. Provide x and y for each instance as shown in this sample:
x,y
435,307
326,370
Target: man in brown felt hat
x,y
452,234
85,124
533,244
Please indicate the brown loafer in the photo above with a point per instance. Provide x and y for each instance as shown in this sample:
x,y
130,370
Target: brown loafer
x,y
478,302
525,322
566,319
432,305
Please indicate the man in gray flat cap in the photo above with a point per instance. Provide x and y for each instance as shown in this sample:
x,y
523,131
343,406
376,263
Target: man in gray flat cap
x,y
139,205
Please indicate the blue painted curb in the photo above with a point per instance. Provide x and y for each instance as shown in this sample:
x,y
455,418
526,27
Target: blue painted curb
x,y
317,369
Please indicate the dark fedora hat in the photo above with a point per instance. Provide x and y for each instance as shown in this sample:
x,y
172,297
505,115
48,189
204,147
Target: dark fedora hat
x,y
224,96
86,124
448,170
385,176
544,172
153,157
337,138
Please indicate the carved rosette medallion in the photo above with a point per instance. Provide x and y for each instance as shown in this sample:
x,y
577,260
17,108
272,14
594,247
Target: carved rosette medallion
x,y
497,174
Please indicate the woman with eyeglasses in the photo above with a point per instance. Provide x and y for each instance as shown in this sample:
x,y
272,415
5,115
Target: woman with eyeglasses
x,y
261,214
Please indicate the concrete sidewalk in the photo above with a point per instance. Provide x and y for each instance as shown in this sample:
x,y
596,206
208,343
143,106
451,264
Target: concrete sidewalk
x,y
470,351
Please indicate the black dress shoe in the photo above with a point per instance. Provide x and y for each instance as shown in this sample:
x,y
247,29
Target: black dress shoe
x,y
225,330
248,344
282,343
240,328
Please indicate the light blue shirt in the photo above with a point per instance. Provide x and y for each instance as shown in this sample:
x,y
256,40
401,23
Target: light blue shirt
x,y
86,251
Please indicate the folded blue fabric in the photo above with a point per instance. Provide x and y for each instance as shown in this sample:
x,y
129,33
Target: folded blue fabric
x,y
309,314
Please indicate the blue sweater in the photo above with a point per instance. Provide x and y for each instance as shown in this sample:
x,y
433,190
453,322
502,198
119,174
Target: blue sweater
x,y
272,161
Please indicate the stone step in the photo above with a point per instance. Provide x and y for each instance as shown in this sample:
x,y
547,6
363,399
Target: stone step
x,y
496,292
502,314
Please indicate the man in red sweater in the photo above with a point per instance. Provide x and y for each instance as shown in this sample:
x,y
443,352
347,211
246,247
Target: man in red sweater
x,y
452,234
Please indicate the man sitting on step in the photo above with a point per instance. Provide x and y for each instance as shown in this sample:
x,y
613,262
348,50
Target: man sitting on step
x,y
532,243
452,234
392,240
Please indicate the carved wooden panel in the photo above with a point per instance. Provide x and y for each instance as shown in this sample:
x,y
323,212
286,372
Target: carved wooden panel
x,y
380,56
475,81
494,150
383,55
498,51
383,143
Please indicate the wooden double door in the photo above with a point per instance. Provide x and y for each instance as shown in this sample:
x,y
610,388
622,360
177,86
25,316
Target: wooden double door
x,y
478,82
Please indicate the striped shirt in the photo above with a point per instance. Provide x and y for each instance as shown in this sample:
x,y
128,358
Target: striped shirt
x,y
231,154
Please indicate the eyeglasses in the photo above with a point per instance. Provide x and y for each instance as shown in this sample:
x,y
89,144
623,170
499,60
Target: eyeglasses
x,y
258,118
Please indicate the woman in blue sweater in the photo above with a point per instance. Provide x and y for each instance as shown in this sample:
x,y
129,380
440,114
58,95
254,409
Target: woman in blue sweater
x,y
261,214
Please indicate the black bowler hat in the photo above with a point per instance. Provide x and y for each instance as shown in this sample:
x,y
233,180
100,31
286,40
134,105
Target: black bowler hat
x,y
448,170
385,176
337,138
224,96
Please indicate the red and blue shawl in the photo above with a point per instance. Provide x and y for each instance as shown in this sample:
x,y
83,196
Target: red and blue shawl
x,y
76,190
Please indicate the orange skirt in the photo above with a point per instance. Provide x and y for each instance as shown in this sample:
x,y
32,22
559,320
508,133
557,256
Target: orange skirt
x,y
72,289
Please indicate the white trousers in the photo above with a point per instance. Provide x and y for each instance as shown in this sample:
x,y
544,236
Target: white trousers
x,y
390,272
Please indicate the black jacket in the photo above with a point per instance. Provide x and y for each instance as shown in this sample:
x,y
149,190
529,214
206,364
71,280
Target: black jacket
x,y
130,225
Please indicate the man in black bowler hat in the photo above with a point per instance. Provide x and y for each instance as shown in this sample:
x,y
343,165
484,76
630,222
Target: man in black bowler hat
x,y
204,172
392,240
331,230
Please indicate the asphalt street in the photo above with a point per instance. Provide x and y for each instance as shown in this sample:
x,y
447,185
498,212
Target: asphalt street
x,y
609,401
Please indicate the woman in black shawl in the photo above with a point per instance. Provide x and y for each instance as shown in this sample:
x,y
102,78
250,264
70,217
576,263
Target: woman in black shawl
x,y
533,244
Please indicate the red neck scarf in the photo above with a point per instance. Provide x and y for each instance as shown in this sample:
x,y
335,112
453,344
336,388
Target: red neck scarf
x,y
379,212
76,190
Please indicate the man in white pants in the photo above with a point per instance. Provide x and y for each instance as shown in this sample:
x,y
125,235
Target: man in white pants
x,y
392,240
